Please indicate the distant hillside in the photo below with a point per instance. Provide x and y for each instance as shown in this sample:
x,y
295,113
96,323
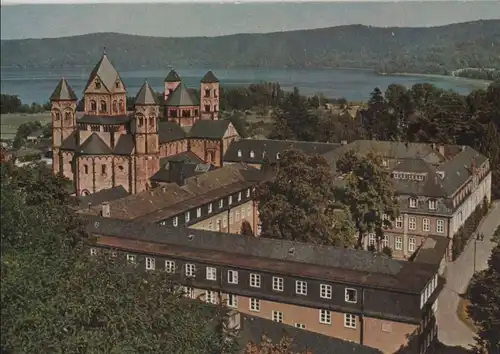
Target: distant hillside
x,y
437,50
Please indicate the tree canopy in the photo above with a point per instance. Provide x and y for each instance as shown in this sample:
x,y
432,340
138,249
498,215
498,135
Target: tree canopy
x,y
56,298
368,193
484,308
298,204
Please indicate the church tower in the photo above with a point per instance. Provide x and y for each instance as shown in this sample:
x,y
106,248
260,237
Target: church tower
x,y
146,138
105,94
209,96
63,109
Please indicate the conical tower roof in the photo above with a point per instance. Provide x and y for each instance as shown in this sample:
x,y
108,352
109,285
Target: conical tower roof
x,y
173,77
209,78
146,95
63,92
181,97
105,71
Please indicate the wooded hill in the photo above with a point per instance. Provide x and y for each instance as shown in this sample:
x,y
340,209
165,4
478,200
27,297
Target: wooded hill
x,y
436,50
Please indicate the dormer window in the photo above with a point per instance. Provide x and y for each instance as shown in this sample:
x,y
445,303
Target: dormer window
x,y
252,154
239,153
263,154
413,202
209,208
221,203
432,204
277,156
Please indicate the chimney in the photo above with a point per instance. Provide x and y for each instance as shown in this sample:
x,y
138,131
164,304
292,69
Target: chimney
x,y
105,210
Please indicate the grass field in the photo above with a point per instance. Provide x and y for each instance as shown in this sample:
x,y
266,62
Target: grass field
x,y
10,122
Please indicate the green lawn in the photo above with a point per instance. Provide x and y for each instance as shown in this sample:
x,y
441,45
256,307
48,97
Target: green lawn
x,y
10,122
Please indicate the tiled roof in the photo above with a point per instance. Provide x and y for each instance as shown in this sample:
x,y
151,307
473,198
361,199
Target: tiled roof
x,y
271,148
94,146
181,97
209,129
69,143
252,329
146,96
186,157
347,266
63,92
209,78
106,73
170,131
104,195
433,250
178,172
104,120
125,145
172,76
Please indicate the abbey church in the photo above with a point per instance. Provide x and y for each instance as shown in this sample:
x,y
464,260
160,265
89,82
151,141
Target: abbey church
x,y
109,147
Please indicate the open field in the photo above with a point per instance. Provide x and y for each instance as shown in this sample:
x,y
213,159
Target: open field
x,y
11,121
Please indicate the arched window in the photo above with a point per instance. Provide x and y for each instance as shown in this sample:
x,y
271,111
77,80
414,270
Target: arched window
x,y
97,84
85,169
93,106
103,107
67,115
115,106
239,153
57,115
120,106
141,122
151,121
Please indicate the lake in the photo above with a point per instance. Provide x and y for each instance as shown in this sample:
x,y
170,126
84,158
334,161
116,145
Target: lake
x,y
355,85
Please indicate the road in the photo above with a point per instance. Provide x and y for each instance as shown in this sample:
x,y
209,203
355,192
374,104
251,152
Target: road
x,y
452,331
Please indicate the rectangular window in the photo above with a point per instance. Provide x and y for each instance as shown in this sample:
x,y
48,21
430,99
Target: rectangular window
x,y
93,252
175,221
217,223
351,295
186,217
371,239
325,317
224,221
399,243
221,203
211,273
399,222
277,316
242,213
385,241
426,224
103,169
249,211
237,216
277,284
349,320
300,325
198,212
248,193
254,280
440,226
411,244
230,218
254,304
300,287
170,266
230,201
188,292
232,301
325,291
239,196
232,277
131,258
432,205
413,202
412,223
209,208
150,263
190,270
210,297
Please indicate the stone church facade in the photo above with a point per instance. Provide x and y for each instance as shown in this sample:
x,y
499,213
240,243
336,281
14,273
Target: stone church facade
x,y
109,147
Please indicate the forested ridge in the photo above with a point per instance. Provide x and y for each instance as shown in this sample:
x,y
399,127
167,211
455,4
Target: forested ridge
x,y
433,50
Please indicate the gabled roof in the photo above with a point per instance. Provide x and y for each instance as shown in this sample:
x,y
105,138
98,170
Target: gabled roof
x,y
146,95
106,73
104,195
63,92
181,97
70,142
186,157
169,131
104,120
125,145
94,146
209,129
172,76
209,78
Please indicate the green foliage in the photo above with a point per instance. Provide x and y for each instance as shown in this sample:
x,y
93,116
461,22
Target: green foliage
x,y
25,129
481,74
387,251
437,50
496,235
484,308
298,203
468,229
57,299
368,194
13,104
246,228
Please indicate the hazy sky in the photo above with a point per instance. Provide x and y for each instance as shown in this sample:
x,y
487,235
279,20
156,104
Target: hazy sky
x,y
182,20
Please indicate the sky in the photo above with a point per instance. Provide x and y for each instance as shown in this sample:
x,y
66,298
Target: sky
x,y
215,19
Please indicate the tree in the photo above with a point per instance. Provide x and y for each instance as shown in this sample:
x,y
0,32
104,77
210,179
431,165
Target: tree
x,y
298,203
266,346
484,308
56,298
246,228
368,193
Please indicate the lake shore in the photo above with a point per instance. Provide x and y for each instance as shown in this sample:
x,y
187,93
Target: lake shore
x,y
478,82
